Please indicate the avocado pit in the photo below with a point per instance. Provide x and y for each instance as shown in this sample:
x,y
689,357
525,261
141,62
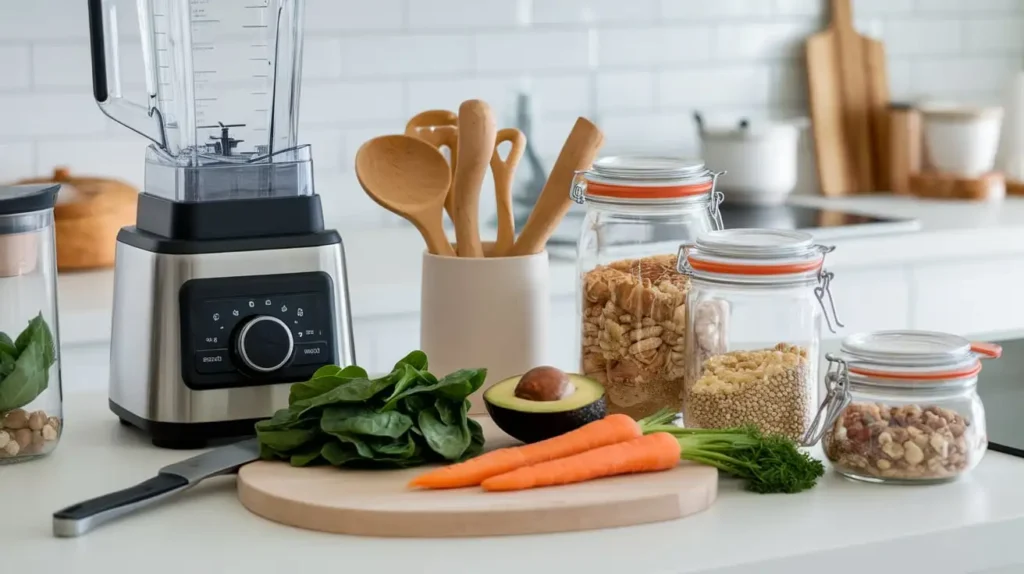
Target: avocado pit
x,y
544,384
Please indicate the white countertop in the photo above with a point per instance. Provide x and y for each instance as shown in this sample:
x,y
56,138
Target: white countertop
x,y
839,527
384,265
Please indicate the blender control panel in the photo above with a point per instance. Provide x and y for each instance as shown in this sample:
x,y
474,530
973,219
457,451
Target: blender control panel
x,y
248,331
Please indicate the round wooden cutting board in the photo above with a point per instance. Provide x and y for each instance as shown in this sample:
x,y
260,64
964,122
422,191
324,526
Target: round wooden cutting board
x,y
378,503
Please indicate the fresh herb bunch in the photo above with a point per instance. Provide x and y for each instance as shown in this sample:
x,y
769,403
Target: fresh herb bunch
x,y
407,418
25,364
768,463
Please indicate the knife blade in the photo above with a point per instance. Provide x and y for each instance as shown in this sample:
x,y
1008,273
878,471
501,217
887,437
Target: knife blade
x,y
80,518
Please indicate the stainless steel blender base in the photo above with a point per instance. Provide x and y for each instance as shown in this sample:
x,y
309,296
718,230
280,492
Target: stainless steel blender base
x,y
147,388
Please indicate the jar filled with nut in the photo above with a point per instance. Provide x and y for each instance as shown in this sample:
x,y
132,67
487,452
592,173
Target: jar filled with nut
x,y
757,298
631,298
30,395
903,407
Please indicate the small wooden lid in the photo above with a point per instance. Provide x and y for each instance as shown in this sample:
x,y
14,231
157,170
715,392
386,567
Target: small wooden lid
x,y
87,196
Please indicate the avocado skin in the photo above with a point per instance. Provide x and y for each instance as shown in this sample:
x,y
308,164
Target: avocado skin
x,y
534,427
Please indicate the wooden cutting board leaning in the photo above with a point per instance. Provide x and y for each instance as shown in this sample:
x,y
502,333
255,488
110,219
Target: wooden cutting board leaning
x,y
848,92
379,503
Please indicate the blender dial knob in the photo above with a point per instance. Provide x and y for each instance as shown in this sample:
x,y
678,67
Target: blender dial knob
x,y
265,344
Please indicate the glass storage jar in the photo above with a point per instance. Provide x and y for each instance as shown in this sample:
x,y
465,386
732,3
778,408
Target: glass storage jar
x,y
756,301
903,407
30,393
630,297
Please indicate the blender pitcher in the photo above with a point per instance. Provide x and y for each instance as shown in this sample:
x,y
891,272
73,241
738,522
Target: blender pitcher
x,y
222,94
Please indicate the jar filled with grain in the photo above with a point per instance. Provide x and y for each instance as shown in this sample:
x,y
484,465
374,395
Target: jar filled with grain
x,y
903,407
756,303
631,298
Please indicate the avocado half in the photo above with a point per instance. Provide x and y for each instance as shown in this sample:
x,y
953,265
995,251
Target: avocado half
x,y
535,420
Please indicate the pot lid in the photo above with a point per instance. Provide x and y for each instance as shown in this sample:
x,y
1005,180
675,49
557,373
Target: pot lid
x,y
18,199
915,355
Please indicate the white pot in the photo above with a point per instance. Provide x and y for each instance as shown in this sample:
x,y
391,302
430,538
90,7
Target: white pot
x,y
489,312
760,161
962,140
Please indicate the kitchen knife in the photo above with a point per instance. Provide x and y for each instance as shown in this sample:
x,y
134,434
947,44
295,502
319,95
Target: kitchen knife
x,y
80,518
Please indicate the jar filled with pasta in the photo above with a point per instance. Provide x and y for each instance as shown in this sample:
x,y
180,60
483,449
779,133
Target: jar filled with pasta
x,y
631,297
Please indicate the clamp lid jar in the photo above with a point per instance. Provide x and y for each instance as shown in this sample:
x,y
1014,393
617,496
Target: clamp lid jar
x,y
755,308
30,394
630,295
902,406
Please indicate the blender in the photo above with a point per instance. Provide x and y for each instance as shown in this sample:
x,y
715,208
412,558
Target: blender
x,y
228,288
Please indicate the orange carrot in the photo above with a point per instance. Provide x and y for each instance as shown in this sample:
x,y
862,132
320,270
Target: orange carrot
x,y
657,451
609,430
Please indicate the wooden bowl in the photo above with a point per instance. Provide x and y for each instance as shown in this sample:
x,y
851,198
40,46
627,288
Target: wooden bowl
x,y
89,213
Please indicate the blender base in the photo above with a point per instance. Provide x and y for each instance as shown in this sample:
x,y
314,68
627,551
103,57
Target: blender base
x,y
186,436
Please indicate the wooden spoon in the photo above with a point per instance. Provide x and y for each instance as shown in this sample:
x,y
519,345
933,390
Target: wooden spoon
x,y
476,144
504,172
439,128
410,178
577,154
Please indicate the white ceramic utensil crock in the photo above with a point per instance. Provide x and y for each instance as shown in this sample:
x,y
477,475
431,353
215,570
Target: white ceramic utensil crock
x,y
489,312
962,140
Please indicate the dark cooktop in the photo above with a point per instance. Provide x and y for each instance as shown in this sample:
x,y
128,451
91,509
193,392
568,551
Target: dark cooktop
x,y
820,222
1001,386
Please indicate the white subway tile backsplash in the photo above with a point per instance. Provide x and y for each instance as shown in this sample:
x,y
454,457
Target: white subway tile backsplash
x,y
354,15
406,55
350,102
625,91
354,138
788,85
95,156
954,76
69,66
593,11
17,161
321,58
967,6
461,14
448,94
763,40
919,37
994,36
43,20
532,50
900,85
15,67
714,9
647,47
344,202
649,132
716,86
328,148
863,8
561,93
58,115
801,8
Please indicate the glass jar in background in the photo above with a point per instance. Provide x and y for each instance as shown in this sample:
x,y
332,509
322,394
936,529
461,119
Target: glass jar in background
x,y
30,392
756,301
903,407
630,297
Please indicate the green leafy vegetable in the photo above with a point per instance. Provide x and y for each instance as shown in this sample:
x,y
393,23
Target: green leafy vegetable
x,y
25,364
768,464
342,417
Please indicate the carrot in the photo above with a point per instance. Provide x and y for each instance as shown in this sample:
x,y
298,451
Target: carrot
x,y
609,430
658,451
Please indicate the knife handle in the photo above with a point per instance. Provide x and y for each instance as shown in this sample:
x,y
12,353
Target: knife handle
x,y
80,518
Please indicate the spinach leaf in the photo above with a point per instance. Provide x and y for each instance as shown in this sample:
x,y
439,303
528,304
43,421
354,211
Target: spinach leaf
x,y
449,441
39,332
362,420
28,378
476,441
353,391
361,446
307,455
267,453
338,453
325,379
405,376
412,405
461,383
7,363
416,359
288,418
449,412
7,346
401,447
286,440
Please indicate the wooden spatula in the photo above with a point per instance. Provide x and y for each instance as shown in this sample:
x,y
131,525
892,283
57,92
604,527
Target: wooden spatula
x,y
439,128
504,172
477,131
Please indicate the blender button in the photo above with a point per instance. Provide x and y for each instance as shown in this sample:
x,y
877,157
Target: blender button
x,y
309,353
213,361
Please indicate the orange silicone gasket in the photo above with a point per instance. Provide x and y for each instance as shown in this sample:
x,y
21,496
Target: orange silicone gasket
x,y
643,192
962,373
737,269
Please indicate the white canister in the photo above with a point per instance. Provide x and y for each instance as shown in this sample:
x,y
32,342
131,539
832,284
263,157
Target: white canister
x,y
760,160
489,312
961,140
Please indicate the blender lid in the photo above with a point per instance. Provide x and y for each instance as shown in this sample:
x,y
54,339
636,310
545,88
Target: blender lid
x,y
18,199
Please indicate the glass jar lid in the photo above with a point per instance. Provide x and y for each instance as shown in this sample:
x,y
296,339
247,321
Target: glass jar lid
x,y
644,179
914,356
22,199
754,252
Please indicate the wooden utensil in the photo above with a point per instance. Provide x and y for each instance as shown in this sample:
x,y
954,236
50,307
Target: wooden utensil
x,y
439,128
904,147
577,154
840,103
408,177
504,172
878,108
378,502
476,144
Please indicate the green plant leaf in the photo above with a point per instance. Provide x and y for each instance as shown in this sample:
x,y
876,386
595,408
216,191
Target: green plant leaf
x,y
362,420
26,380
7,363
361,446
449,441
476,441
416,359
324,380
286,440
39,332
462,383
402,447
338,453
7,346
353,391
267,453
288,418
412,405
308,455
449,411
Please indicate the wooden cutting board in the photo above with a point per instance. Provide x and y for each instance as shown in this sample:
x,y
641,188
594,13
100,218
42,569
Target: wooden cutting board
x,y
377,503
848,93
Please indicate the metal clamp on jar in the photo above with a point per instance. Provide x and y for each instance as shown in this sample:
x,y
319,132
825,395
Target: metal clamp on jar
x,y
756,301
631,298
903,407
